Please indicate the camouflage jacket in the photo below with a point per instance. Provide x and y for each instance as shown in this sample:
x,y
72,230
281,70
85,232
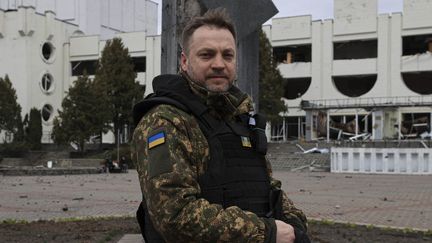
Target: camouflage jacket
x,y
168,172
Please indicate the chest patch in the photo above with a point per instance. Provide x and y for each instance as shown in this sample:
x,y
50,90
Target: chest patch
x,y
246,142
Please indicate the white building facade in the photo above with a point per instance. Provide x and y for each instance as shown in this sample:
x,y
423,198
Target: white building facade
x,y
360,75
43,55
97,17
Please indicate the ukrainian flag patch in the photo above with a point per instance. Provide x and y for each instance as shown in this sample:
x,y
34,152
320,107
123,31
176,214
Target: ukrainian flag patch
x,y
246,142
155,140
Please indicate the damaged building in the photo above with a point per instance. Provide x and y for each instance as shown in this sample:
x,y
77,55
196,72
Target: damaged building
x,y
359,76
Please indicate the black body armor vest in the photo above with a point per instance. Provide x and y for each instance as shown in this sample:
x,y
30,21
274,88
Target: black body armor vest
x,y
236,174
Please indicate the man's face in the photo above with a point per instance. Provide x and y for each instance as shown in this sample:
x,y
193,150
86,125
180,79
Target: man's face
x,y
211,60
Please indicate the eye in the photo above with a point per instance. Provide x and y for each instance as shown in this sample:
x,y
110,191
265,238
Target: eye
x,y
228,56
205,55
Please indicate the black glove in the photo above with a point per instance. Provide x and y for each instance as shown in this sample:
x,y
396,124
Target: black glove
x,y
301,237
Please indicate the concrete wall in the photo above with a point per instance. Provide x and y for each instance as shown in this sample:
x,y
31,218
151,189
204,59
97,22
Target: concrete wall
x,y
381,160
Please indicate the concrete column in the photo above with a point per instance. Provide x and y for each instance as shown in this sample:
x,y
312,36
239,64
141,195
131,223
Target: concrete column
x,y
299,127
49,24
308,125
399,124
367,122
311,125
328,126
356,123
284,134
22,26
377,125
2,21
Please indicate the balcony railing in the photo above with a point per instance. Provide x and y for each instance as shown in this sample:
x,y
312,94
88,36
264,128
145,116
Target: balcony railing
x,y
373,102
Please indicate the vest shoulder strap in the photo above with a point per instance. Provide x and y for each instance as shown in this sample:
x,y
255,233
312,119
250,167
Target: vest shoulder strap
x,y
141,108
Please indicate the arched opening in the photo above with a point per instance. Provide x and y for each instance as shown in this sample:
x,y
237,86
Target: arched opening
x,y
419,82
47,51
47,112
47,83
296,87
354,86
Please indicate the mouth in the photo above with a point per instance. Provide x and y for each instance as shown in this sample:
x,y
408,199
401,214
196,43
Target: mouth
x,y
217,77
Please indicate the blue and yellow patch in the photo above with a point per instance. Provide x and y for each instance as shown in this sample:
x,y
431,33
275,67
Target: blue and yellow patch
x,y
246,142
155,140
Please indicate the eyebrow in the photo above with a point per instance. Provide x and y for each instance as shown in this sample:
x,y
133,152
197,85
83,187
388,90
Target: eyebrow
x,y
213,50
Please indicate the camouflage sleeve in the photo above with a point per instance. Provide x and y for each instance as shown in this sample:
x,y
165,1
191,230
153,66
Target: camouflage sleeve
x,y
293,216
168,169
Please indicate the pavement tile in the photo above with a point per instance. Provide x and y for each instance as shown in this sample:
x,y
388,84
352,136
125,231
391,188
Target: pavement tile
x,y
388,200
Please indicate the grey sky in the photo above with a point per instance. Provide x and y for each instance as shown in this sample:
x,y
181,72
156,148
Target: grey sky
x,y
319,9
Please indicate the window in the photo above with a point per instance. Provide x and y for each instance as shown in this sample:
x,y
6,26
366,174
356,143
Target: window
x,y
47,51
79,67
416,44
47,83
47,112
139,64
359,49
290,54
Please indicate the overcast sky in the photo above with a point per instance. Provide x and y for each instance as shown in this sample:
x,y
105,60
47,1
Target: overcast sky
x,y
319,9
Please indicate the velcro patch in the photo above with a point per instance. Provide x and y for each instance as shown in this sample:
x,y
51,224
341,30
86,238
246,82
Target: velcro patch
x,y
160,161
155,140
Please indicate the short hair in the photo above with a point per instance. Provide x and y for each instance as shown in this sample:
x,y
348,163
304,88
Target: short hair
x,y
218,18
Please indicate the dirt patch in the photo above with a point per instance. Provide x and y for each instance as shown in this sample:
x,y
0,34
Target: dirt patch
x,y
111,230
101,230
326,232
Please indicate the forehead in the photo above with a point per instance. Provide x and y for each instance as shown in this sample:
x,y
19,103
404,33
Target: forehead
x,y
211,36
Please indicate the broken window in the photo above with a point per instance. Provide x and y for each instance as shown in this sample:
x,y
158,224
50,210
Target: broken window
x,y
47,112
89,66
358,49
355,86
296,87
291,54
415,125
416,44
346,126
139,64
365,123
419,82
295,127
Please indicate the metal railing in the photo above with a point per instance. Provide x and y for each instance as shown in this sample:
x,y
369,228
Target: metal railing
x,y
373,102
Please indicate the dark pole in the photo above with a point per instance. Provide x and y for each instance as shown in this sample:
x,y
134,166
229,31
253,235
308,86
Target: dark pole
x,y
248,66
175,15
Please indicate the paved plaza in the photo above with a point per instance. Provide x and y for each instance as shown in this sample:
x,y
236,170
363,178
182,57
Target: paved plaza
x,y
386,200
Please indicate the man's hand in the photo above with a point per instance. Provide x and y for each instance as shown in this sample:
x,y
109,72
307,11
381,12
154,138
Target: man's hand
x,y
284,233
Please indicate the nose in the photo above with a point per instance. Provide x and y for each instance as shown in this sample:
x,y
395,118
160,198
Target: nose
x,y
218,62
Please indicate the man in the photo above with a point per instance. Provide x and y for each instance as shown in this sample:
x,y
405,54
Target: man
x,y
200,155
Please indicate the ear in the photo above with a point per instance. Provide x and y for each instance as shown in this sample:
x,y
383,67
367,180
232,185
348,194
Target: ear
x,y
183,62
